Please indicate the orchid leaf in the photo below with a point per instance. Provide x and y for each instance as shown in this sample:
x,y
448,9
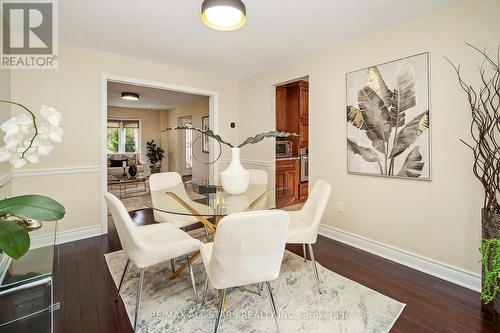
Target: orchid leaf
x,y
36,207
14,239
270,134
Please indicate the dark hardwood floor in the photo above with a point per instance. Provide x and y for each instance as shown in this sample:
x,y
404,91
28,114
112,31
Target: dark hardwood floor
x,y
86,291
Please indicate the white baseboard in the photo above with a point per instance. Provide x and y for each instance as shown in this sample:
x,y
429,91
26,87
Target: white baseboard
x,y
66,236
456,275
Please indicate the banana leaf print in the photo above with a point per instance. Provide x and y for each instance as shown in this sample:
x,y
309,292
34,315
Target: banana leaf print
x,y
386,115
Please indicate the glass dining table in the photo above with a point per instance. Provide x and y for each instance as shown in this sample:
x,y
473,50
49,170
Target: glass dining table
x,y
211,207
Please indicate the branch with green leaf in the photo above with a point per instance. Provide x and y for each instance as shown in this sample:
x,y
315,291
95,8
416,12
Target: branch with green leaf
x,y
381,115
251,140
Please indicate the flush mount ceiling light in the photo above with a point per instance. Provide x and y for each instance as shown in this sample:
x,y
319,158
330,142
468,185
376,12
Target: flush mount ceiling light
x,y
130,96
224,15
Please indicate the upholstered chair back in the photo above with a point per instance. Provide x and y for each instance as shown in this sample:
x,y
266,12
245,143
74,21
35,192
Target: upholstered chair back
x,y
316,202
132,243
248,248
258,177
159,181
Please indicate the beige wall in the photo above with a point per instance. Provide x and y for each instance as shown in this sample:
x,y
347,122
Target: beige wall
x,y
75,90
196,110
5,114
438,219
150,126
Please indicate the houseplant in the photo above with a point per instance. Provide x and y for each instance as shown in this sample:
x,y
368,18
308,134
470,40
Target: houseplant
x,y
155,155
484,102
235,179
27,137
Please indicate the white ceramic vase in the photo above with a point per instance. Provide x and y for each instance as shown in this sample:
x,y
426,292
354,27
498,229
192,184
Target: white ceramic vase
x,y
235,179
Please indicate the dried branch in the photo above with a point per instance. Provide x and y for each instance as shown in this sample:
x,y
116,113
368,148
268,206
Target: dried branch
x,y
485,128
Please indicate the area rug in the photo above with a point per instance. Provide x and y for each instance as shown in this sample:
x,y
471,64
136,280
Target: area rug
x,y
168,305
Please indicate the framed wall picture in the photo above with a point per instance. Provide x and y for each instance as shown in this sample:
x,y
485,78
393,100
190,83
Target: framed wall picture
x,y
388,119
205,125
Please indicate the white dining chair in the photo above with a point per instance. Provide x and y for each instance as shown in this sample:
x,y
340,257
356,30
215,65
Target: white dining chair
x,y
304,223
258,177
248,249
163,181
148,245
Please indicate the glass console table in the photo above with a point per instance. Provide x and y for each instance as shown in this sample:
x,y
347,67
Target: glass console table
x,y
26,284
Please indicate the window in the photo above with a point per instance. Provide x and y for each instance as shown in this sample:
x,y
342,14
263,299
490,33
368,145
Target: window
x,y
123,136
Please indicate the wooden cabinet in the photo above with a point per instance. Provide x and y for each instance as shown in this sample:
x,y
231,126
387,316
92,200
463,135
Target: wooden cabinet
x,y
292,112
303,190
288,177
304,132
303,99
292,115
281,108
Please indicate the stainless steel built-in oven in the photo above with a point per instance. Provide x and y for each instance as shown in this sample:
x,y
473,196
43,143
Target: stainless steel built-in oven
x,y
304,164
283,149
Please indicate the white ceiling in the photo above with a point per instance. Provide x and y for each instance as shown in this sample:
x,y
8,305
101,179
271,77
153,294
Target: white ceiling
x,y
277,31
149,98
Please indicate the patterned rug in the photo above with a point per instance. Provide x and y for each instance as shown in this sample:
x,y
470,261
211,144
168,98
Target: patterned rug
x,y
168,305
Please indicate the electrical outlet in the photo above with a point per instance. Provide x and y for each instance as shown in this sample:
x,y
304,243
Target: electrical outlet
x,y
340,206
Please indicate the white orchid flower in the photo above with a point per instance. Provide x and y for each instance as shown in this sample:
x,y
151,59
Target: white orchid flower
x,y
17,125
51,115
50,132
31,155
12,142
5,154
56,134
27,138
43,146
17,162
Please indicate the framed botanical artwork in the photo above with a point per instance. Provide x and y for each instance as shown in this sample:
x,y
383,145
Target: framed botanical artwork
x,y
205,126
388,119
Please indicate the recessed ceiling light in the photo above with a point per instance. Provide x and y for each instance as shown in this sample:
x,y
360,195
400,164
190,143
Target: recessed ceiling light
x,y
224,15
130,96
